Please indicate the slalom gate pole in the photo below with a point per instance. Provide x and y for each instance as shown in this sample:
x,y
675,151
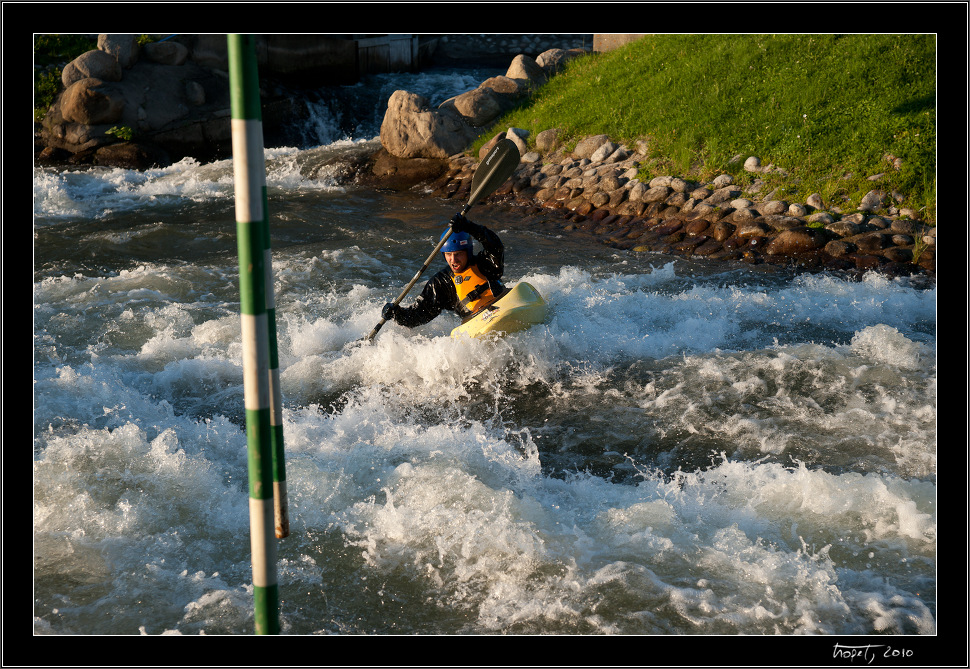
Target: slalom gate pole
x,y
255,293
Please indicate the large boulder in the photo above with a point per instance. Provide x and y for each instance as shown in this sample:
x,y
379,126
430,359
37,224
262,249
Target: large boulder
x,y
552,61
527,70
412,129
94,64
166,53
479,106
124,48
92,102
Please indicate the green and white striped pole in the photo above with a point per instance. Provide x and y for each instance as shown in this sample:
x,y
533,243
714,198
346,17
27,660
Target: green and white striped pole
x,y
252,223
281,513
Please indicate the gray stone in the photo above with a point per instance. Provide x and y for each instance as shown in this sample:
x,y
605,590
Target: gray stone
x,y
586,146
479,107
123,47
166,53
872,200
411,129
774,207
526,69
547,140
602,152
94,64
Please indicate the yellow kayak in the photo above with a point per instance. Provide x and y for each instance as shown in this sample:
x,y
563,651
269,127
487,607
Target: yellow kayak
x,y
519,309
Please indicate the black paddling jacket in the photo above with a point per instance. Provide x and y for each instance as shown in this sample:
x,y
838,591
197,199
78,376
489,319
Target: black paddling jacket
x,y
441,291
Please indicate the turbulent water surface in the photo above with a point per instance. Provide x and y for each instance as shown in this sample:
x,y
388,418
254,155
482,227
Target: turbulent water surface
x,y
682,449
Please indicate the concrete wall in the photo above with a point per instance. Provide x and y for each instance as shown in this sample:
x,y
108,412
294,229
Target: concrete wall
x,y
499,50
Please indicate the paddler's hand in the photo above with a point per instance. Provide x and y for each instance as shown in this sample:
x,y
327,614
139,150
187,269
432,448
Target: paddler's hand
x,y
389,311
459,223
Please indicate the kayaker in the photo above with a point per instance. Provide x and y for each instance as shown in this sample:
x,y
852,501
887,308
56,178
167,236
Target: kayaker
x,y
469,283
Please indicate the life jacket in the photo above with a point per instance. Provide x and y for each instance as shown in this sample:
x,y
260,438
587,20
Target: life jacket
x,y
475,292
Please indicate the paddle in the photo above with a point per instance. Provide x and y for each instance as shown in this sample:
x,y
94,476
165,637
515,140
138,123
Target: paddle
x,y
497,166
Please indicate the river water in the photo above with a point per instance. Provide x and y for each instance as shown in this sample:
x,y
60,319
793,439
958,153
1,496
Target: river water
x,y
682,449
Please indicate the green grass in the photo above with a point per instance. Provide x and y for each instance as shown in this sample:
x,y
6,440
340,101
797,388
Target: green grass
x,y
827,108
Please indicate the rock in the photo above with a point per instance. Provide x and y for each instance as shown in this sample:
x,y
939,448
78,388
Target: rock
x,y
526,69
547,140
899,254
489,145
697,227
390,171
752,164
655,194
872,200
721,195
679,185
871,242
503,85
411,129
797,240
722,230
94,64
773,207
744,214
754,228
586,146
194,93
518,136
131,155
124,48
552,61
91,101
676,199
838,248
844,228
822,218
603,152
782,223
479,107
166,53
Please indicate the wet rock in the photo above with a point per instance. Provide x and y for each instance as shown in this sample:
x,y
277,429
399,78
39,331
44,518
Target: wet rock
x,y
797,240
750,229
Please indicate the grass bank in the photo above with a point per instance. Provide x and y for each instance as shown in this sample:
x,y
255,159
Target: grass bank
x,y
832,110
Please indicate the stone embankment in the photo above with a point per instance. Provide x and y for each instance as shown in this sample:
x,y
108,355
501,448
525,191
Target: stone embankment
x,y
594,190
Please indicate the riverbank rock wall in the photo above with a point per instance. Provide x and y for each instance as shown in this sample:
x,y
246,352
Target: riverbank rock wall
x,y
594,190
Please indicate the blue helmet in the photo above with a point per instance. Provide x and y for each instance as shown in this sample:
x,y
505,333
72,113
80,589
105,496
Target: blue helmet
x,y
459,241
